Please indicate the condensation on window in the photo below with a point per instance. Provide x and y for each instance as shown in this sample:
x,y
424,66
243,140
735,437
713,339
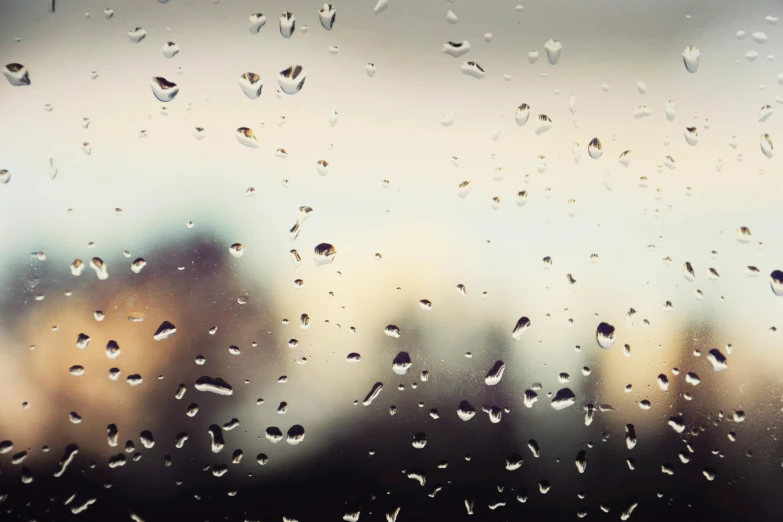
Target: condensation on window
x,y
390,260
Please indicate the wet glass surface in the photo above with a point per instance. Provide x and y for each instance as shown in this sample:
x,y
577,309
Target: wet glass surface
x,y
394,260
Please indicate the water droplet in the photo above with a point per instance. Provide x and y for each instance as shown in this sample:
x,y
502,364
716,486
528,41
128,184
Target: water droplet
x,y
514,462
138,265
495,373
456,49
532,56
630,505
419,440
553,50
562,399
465,411
97,264
136,34
287,24
164,331
743,234
543,124
523,324
273,434
170,49
776,282
16,74
327,16
766,146
677,423
164,90
295,435
246,137
402,362
251,85
216,437
581,461
214,385
236,250
765,112
594,148
324,253
380,6
257,21
690,57
641,111
292,79
473,69
604,335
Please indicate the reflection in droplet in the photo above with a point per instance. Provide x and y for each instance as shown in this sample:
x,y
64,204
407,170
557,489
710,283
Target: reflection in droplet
x,y
473,69
295,435
251,85
523,324
690,56
604,335
170,49
595,149
292,79
456,49
392,331
374,392
776,282
563,399
138,265
691,135
257,21
532,56
553,49
514,462
112,349
16,74
743,234
164,331
287,24
327,16
322,167
495,373
164,90
581,461
765,113
214,385
402,363
136,34
543,124
465,411
766,146
246,137
717,359
97,264
324,253
671,110
523,114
